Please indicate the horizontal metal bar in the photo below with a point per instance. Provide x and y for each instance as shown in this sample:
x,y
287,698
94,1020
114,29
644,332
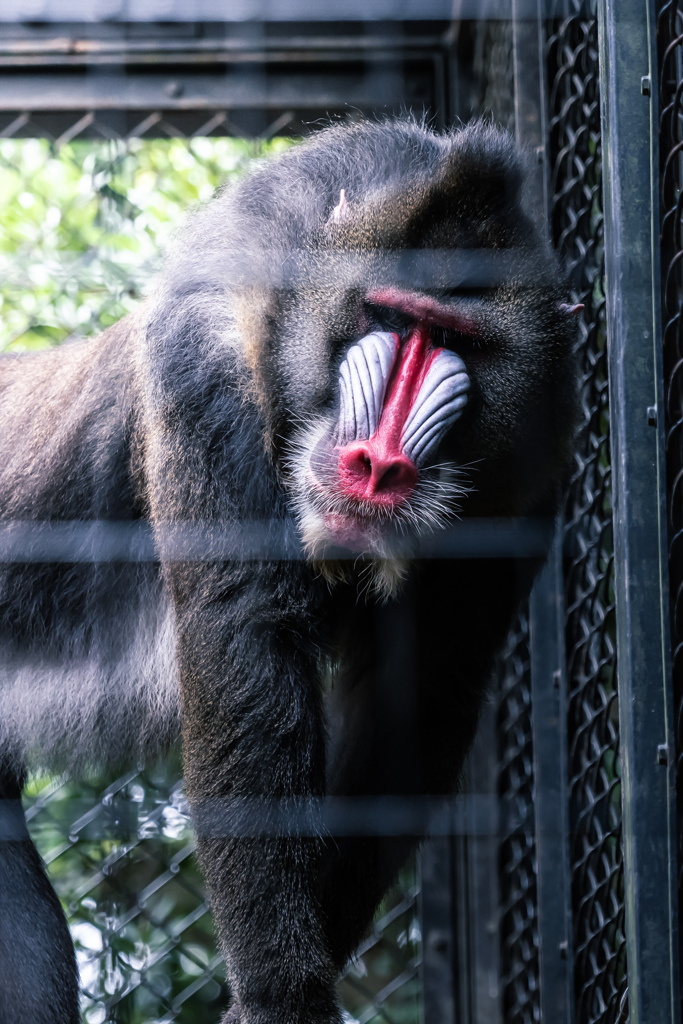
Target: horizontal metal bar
x,y
230,91
341,53
470,814
270,10
219,11
291,268
32,541
239,46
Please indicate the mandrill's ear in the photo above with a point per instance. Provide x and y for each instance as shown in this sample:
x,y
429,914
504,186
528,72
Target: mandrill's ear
x,y
377,220
341,210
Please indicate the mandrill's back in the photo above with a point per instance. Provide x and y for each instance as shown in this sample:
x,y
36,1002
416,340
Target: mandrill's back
x,y
81,642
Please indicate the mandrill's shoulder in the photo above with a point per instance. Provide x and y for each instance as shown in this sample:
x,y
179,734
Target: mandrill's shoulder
x,y
65,413
44,374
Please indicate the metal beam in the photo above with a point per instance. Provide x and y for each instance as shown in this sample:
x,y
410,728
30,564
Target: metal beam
x,y
631,176
551,789
236,90
264,10
546,618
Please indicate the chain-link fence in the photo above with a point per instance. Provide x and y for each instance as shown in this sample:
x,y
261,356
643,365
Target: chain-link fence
x,y
518,911
593,723
597,946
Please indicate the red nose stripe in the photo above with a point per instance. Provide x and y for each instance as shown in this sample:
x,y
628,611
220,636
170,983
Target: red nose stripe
x,y
377,470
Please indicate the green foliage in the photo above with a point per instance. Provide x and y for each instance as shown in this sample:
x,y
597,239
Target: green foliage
x,y
82,227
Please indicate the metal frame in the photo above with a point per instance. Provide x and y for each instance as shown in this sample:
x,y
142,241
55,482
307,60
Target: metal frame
x,y
629,116
549,717
546,623
631,181
253,79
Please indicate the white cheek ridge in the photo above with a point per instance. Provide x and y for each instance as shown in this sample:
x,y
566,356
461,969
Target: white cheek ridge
x,y
429,441
380,356
434,414
347,416
438,405
445,378
363,380
362,391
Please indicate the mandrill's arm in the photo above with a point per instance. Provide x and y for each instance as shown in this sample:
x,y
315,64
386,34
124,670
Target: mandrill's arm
x,y
252,733
252,721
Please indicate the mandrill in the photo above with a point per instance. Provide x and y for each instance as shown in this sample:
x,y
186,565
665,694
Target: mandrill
x,y
359,347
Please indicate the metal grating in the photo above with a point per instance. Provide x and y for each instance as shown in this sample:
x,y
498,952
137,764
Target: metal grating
x,y
593,726
670,51
519,936
120,850
493,71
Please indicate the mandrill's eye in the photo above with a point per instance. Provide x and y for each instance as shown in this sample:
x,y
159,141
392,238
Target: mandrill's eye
x,y
397,321
385,318
457,341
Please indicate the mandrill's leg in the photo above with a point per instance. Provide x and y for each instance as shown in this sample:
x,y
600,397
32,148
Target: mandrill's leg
x,y
253,739
38,974
402,721
372,751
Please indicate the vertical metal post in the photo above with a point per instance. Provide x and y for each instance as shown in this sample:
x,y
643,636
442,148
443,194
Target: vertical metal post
x,y
551,789
438,939
529,85
631,175
481,876
467,966
546,618
443,906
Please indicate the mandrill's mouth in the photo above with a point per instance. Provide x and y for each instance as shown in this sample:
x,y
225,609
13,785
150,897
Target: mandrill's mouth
x,y
371,473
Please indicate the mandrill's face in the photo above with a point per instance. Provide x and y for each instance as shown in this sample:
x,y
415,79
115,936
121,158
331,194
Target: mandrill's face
x,y
438,403
424,367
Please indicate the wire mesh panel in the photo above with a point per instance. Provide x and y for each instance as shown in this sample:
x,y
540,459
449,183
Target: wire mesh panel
x,y
593,727
670,47
81,226
518,913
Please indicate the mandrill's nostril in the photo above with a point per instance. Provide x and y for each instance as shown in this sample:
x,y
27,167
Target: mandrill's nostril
x,y
392,475
395,476
355,465
367,473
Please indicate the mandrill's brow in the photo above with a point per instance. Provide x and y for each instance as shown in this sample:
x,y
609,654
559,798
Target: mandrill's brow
x,y
425,309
